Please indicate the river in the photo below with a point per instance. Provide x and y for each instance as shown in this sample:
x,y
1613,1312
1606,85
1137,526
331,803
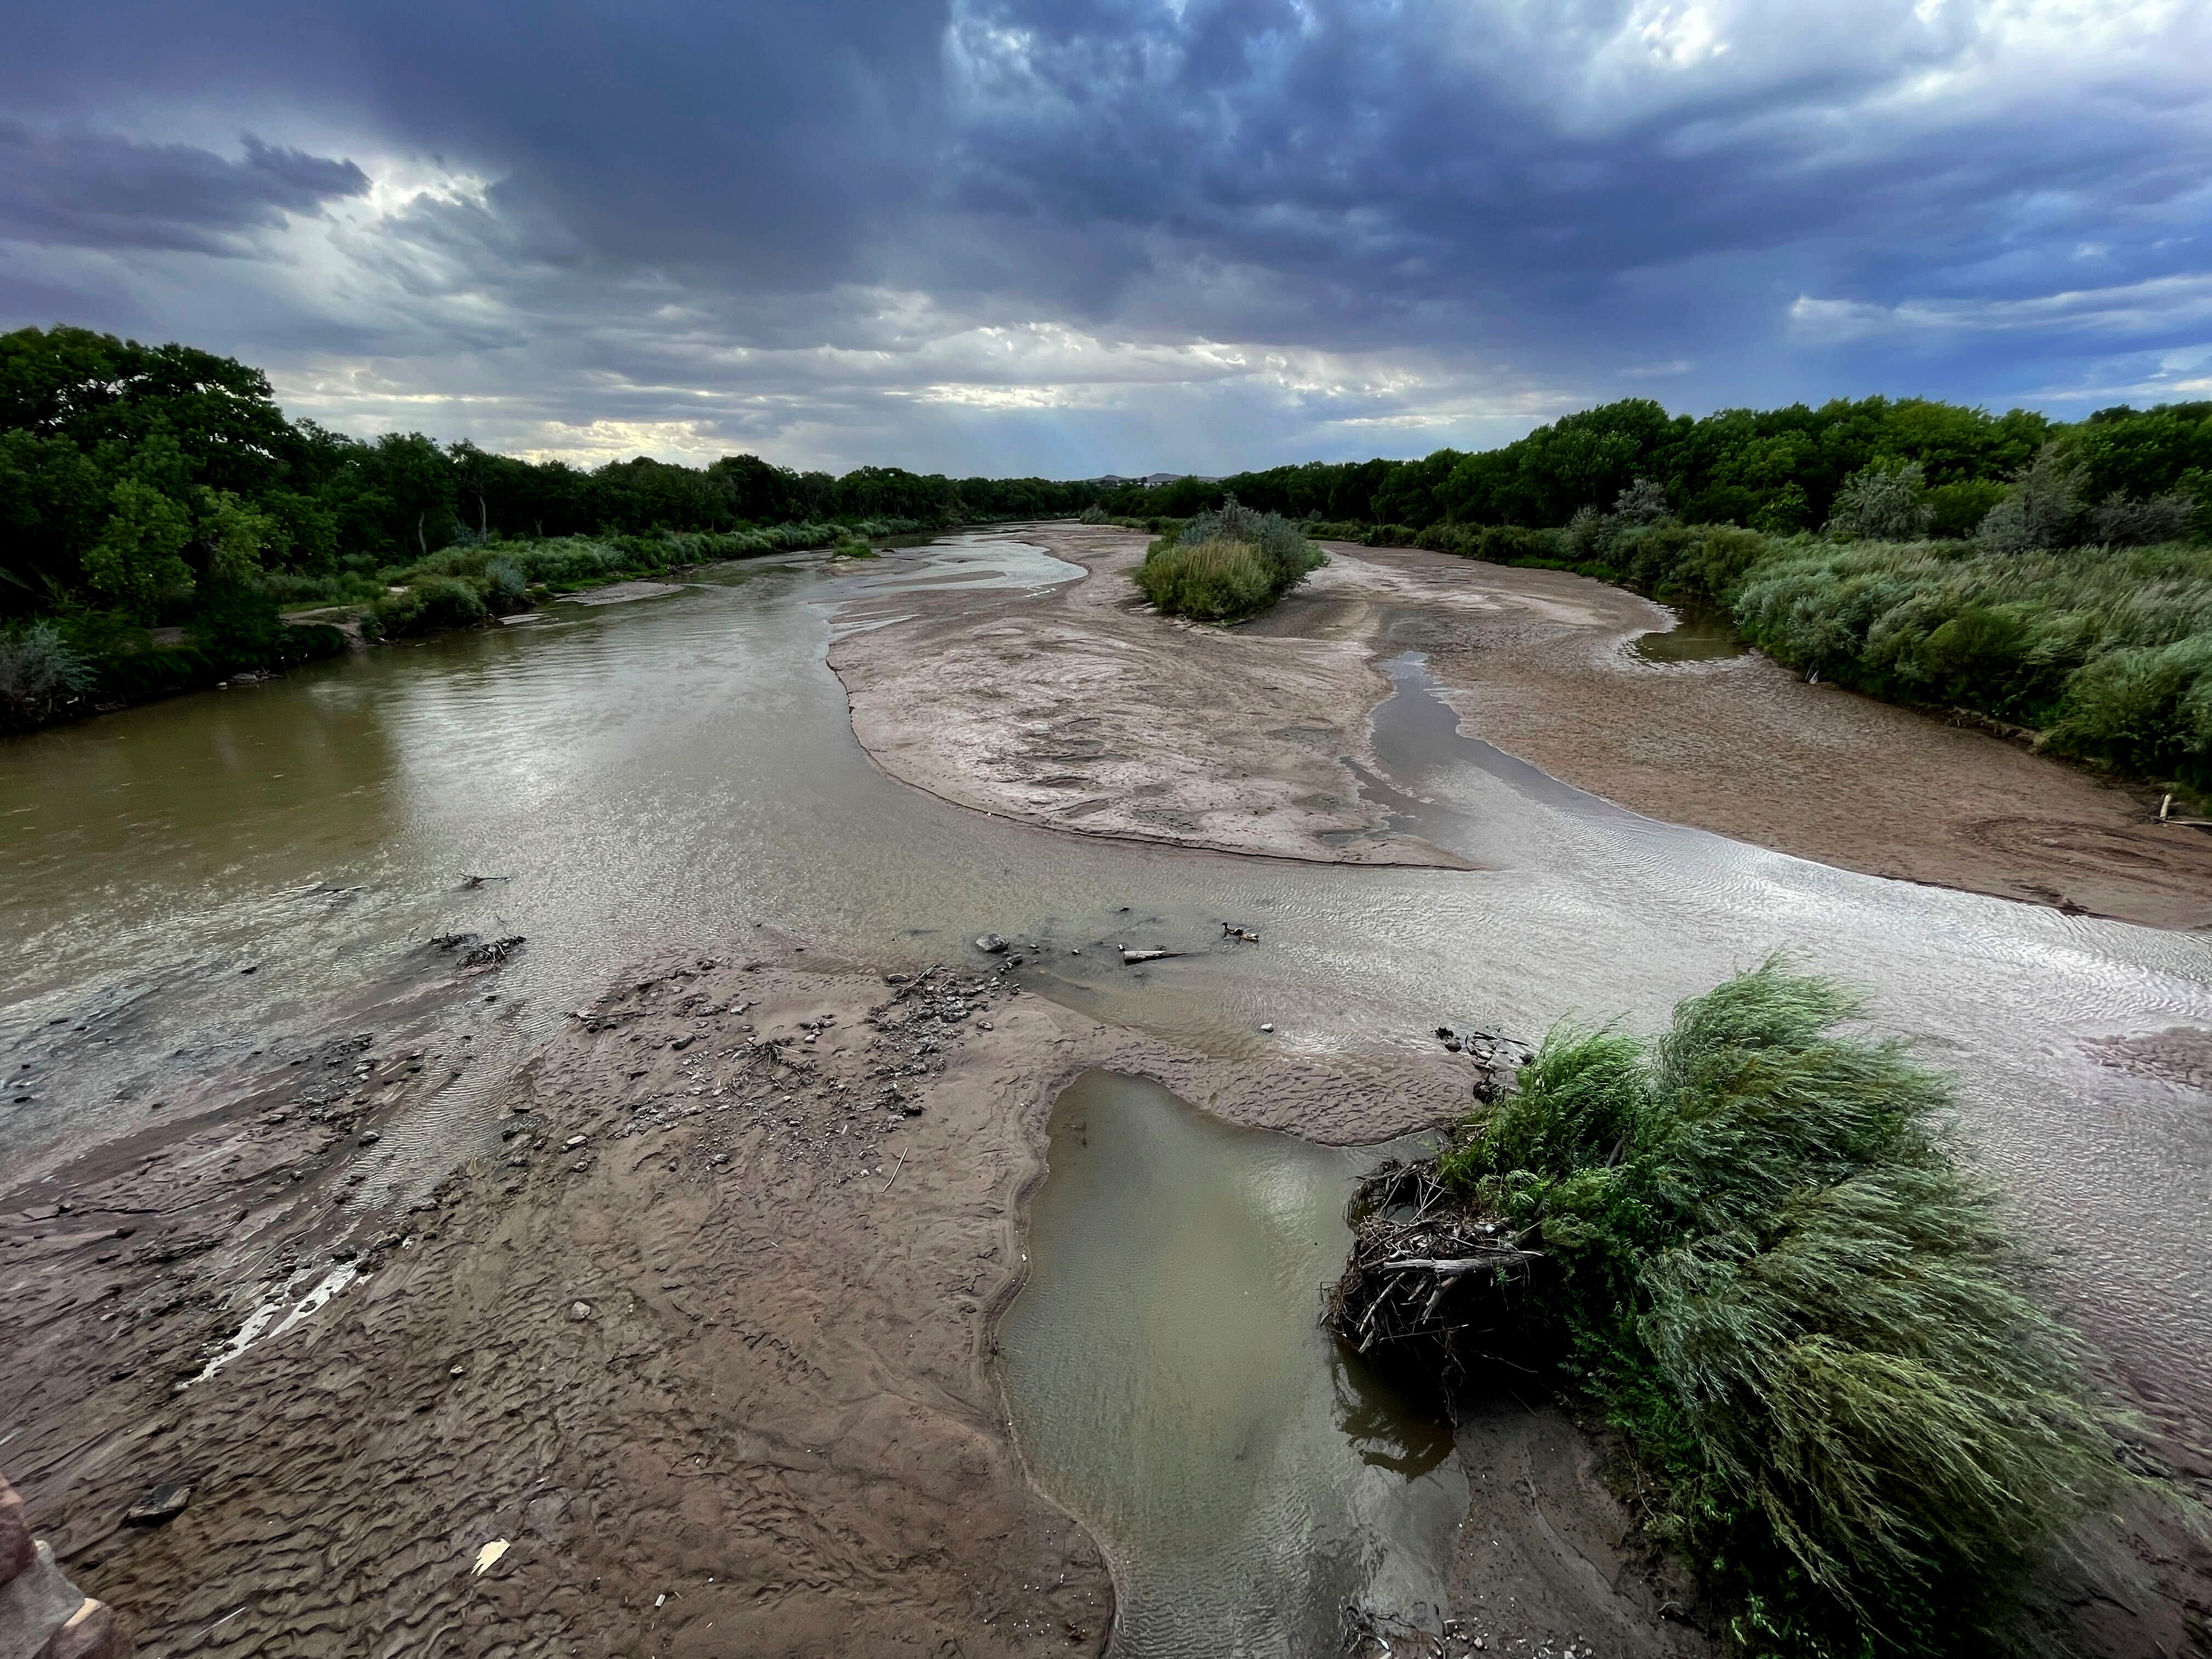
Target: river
x,y
190,884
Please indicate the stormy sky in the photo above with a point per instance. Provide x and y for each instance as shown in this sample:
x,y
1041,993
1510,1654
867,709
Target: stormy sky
x,y
1013,236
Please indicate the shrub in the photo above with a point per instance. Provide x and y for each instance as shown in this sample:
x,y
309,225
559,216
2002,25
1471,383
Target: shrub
x,y
1883,504
1215,580
40,674
1226,563
504,586
1642,503
2042,510
1813,1327
1957,508
426,606
2125,521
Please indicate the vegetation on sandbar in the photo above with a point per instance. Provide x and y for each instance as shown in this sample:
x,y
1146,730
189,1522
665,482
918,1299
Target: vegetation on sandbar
x,y
1226,563
1748,1240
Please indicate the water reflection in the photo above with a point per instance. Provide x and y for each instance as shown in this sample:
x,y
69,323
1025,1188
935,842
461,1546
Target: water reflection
x,y
1697,635
1385,1429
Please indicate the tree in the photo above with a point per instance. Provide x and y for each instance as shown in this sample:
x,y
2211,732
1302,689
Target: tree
x,y
137,559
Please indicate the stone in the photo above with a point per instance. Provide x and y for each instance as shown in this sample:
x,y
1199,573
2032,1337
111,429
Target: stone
x,y
163,1503
580,1310
1267,1028
90,1632
17,1551
991,945
369,1137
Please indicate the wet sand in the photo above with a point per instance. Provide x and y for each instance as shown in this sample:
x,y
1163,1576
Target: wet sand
x,y
718,1373
1077,709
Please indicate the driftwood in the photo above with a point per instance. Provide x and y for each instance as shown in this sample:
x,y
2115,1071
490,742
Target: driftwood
x,y
1426,1281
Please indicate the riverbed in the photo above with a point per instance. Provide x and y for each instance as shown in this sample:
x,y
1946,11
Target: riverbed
x,y
198,888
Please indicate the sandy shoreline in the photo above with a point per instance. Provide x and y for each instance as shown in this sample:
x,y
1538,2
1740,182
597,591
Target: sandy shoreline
x,y
1076,709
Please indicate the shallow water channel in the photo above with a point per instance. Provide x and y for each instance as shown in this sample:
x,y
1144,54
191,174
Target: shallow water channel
x,y
1170,1383
671,771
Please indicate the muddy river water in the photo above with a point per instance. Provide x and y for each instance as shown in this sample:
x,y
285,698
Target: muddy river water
x,y
186,884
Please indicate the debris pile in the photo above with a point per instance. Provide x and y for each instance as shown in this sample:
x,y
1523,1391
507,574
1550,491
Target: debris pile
x,y
1423,1287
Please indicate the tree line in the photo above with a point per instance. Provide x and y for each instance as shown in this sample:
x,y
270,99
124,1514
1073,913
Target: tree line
x,y
132,477
1778,471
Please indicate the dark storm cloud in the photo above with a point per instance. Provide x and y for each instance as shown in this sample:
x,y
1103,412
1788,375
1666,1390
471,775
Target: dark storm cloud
x,y
985,232
96,190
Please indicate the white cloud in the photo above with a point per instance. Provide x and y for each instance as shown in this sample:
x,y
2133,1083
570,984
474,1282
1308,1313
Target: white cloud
x,y
2158,304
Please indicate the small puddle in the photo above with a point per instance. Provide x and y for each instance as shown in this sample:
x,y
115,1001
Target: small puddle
x,y
1697,635
1172,1385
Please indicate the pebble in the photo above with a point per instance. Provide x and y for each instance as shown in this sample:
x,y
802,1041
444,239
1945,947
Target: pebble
x,y
369,1137
1267,1028
580,1310
573,1142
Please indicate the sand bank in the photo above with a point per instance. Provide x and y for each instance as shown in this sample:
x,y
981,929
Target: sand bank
x,y
1077,709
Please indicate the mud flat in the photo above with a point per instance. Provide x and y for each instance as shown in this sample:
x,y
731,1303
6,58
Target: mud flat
x,y
705,1345
1077,709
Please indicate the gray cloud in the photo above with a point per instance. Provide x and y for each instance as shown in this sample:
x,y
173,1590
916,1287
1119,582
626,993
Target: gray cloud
x,y
1006,235
102,191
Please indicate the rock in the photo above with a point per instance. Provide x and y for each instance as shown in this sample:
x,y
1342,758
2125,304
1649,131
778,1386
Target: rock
x,y
1269,1027
163,1503
1451,1045
1130,956
90,1632
17,1551
369,1137
573,1142
580,1310
683,1042
991,945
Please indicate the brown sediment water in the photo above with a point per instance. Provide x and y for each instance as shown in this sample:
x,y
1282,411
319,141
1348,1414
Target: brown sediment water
x,y
1170,1383
681,767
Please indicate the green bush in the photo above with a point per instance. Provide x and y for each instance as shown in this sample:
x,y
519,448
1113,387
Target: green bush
x,y
1214,580
1759,1256
41,674
1226,563
426,606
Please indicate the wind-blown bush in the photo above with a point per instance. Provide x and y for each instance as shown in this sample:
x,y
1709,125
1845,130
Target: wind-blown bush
x,y
1227,563
2125,521
1811,1324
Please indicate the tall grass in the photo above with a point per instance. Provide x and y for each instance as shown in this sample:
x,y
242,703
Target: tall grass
x,y
1813,1326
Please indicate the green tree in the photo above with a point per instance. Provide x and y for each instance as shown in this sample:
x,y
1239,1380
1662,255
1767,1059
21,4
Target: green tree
x,y
137,559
